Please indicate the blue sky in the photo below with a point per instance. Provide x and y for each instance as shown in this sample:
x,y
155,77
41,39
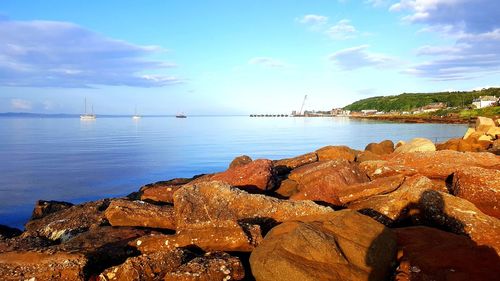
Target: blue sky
x,y
239,57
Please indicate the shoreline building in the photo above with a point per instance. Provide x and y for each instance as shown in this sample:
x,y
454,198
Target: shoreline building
x,y
485,101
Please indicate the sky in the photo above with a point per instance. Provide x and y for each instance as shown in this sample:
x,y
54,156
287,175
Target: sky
x,y
239,57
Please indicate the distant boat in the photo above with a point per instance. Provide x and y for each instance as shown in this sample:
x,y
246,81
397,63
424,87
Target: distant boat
x,y
136,116
180,115
87,116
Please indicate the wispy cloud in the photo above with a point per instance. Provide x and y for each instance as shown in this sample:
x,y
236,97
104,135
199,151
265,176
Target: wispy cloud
x,y
313,19
342,30
359,57
473,25
20,104
62,54
378,3
267,62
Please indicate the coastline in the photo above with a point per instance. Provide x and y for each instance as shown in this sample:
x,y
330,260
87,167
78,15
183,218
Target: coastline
x,y
417,119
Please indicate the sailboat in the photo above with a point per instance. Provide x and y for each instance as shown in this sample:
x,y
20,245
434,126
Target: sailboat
x,y
136,116
87,116
180,115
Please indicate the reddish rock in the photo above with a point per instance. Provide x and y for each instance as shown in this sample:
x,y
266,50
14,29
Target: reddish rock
x,y
336,152
287,188
240,161
150,267
322,181
229,239
47,265
479,186
431,254
43,208
416,202
382,148
139,213
434,165
25,243
292,163
209,267
255,176
364,190
367,156
216,204
483,124
162,191
343,245
64,224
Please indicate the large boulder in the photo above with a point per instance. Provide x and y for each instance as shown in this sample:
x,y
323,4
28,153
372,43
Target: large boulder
x,y
162,191
416,202
256,176
335,153
64,224
139,213
229,239
216,204
367,156
382,148
479,186
285,165
240,161
43,208
322,181
287,188
415,145
435,165
483,124
431,254
341,246
43,265
364,190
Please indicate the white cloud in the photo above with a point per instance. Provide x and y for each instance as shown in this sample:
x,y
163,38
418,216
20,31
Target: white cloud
x,y
342,30
20,104
313,19
377,3
267,62
359,57
62,54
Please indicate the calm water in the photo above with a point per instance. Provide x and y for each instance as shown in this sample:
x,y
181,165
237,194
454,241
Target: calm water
x,y
71,160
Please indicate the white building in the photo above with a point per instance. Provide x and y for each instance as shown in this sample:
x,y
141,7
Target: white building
x,y
484,101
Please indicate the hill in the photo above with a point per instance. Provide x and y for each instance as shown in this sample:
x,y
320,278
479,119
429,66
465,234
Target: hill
x,y
410,101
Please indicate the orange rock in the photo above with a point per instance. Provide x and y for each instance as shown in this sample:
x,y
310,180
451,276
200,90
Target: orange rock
x,y
216,204
162,191
367,156
139,213
287,188
336,152
364,190
384,147
292,163
432,254
479,186
43,208
240,161
483,124
343,245
322,181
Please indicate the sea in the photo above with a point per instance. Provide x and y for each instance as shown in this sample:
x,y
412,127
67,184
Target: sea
x,y
67,159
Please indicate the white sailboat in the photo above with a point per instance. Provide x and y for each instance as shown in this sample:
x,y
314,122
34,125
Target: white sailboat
x,y
136,116
87,116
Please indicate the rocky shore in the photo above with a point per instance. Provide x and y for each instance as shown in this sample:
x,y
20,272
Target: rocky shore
x,y
416,119
410,211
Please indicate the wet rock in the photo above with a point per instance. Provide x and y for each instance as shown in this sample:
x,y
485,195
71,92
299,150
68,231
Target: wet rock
x,y
479,186
364,190
229,239
162,191
216,266
149,267
382,148
46,265
43,208
322,181
216,204
64,224
483,124
367,156
291,163
139,213
340,246
8,232
240,161
431,254
415,145
435,165
256,176
416,203
287,188
336,152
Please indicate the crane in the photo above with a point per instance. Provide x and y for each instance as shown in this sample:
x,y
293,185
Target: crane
x,y
303,103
